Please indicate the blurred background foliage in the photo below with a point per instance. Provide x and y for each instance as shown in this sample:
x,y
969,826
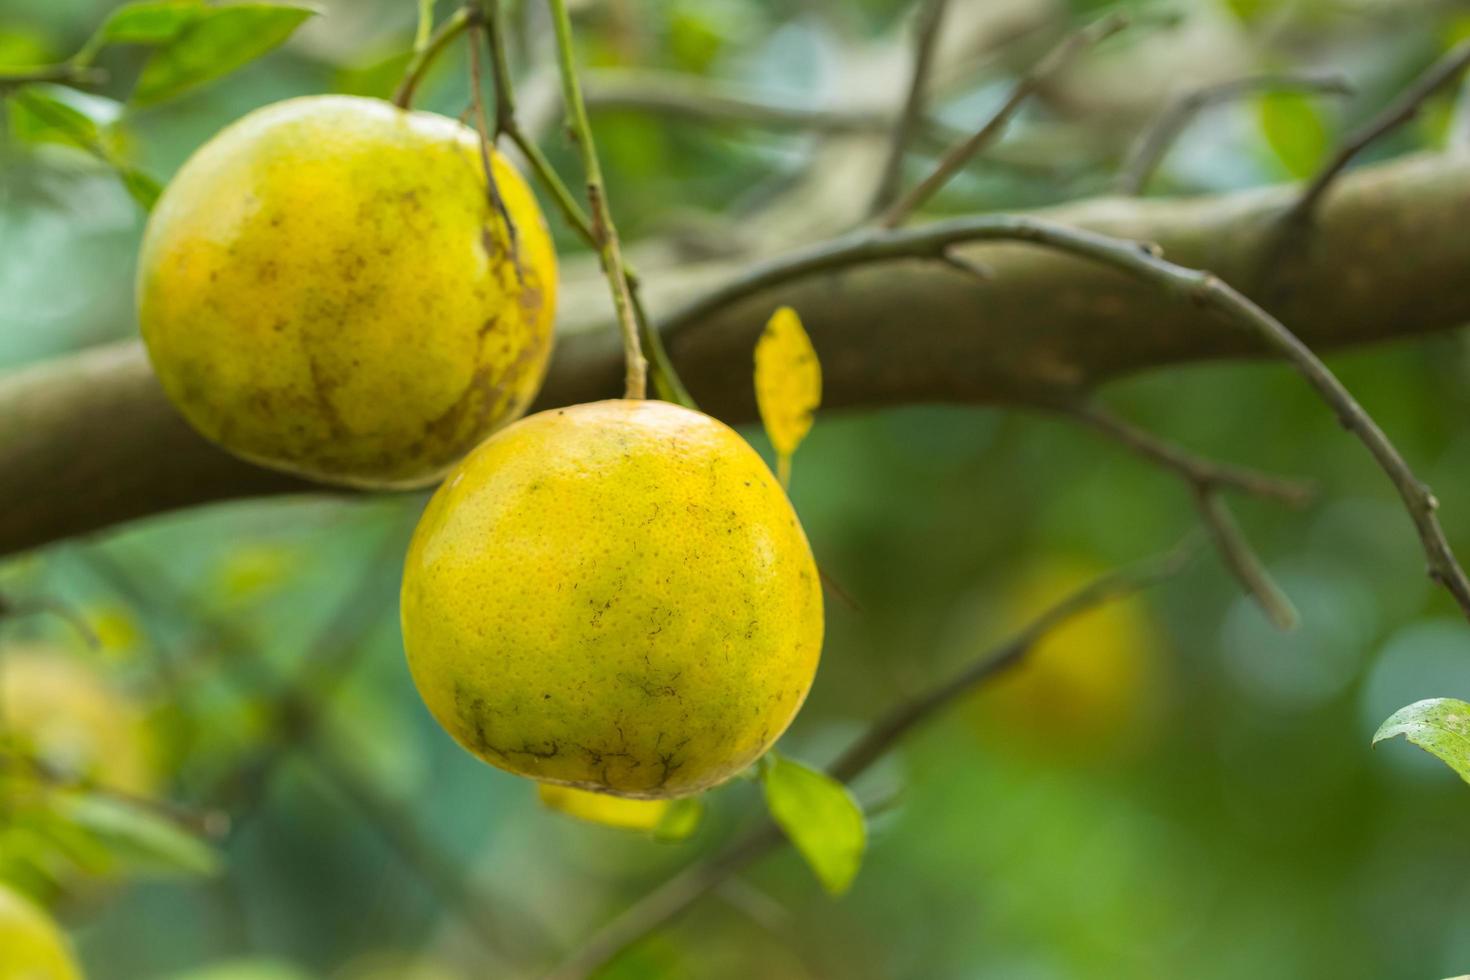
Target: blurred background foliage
x,y
1172,788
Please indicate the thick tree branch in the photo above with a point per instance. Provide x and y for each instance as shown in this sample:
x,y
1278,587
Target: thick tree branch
x,y
88,440
667,901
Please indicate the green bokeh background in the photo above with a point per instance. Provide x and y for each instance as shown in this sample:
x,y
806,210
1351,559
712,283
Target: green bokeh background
x,y
1252,834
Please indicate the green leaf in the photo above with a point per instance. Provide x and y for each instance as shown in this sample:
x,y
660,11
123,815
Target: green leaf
x,y
136,837
142,188
145,22
820,817
1439,726
1295,130
45,113
680,819
218,41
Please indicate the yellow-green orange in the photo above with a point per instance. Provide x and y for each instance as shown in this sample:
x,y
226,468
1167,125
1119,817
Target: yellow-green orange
x,y
32,947
611,811
1089,688
327,288
615,596
64,710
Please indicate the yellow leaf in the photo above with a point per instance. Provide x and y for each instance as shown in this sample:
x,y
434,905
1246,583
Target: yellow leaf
x,y
613,811
788,385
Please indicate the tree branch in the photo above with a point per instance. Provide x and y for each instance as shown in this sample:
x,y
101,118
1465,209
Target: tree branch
x,y
424,55
953,161
1206,479
604,232
89,440
1157,140
667,901
1395,114
926,35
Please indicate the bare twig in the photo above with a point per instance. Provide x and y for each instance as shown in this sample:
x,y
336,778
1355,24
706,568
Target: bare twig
x,y
507,124
604,232
1242,561
1198,471
675,895
693,99
926,36
1159,138
953,161
487,153
45,605
1141,262
424,56
1395,114
1206,479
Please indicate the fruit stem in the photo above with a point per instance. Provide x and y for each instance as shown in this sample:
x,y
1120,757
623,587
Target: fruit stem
x,y
424,55
604,232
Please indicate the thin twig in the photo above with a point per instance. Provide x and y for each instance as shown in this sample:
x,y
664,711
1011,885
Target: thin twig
x,y
953,161
1142,262
604,232
44,605
665,378
1395,114
1151,148
691,98
1206,479
424,57
1242,561
507,124
1198,471
487,153
926,37
675,895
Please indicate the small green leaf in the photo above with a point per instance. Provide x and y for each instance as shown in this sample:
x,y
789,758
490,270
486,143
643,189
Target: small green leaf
x,y
1439,726
215,43
136,837
142,188
145,22
45,113
1295,130
680,819
820,817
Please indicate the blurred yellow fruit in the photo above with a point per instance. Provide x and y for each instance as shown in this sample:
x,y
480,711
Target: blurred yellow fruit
x,y
326,288
32,946
62,709
1088,688
613,811
616,597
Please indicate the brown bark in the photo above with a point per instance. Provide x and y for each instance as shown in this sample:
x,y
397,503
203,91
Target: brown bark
x,y
88,440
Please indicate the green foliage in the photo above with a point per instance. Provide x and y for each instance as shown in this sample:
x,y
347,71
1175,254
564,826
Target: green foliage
x,y
216,42
1439,726
681,819
820,816
146,22
1293,126
45,113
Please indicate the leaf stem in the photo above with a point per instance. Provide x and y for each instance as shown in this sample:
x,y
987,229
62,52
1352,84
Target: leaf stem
x,y
424,56
604,232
